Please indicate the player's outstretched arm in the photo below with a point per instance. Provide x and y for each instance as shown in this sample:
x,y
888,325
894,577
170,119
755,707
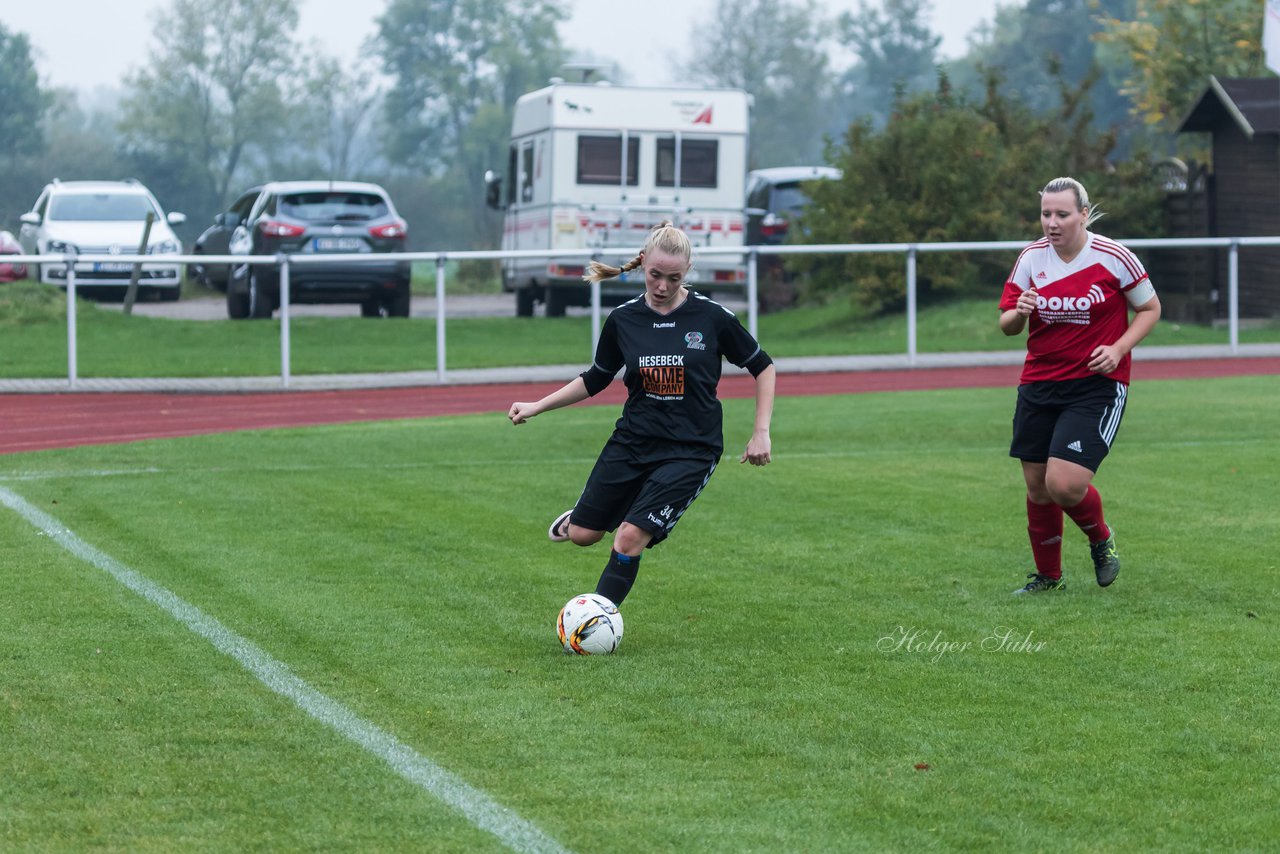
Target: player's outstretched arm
x,y
759,446
572,392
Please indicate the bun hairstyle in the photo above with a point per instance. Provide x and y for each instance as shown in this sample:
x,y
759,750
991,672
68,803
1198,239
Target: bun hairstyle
x,y
1057,185
663,237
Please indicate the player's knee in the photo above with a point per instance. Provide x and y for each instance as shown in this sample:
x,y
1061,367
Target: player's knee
x,y
580,536
630,539
1066,491
1039,493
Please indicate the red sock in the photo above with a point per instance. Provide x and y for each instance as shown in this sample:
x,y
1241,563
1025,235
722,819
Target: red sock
x,y
1044,526
1088,515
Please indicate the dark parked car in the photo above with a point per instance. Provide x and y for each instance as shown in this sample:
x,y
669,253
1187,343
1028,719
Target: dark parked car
x,y
775,197
216,240
320,217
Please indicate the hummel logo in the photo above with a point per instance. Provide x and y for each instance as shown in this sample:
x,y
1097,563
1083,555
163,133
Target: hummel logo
x,y
1075,446
1041,275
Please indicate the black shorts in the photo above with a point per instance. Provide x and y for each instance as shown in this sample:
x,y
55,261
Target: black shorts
x,y
1073,420
642,484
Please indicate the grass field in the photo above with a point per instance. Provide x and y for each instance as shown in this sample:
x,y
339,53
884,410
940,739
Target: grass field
x,y
824,656
32,322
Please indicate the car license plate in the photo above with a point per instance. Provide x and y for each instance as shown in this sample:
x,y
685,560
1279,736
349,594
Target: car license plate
x,y
337,244
112,267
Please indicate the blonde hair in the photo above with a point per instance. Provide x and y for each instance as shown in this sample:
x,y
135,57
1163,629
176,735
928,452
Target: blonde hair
x,y
1057,185
663,237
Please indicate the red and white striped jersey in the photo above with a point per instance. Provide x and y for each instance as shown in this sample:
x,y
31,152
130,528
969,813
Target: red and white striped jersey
x,y
1082,305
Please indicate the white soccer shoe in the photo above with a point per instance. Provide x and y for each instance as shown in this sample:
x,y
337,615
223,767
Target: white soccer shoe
x,y
559,530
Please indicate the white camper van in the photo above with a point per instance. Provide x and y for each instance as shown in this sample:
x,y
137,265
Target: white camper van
x,y
685,156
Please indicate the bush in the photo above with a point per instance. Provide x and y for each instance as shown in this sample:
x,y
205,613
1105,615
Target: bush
x,y
945,169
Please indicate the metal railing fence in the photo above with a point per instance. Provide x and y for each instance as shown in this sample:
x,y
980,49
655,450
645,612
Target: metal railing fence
x,y
911,252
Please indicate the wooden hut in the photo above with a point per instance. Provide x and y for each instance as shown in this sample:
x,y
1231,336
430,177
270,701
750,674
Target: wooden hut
x,y
1242,199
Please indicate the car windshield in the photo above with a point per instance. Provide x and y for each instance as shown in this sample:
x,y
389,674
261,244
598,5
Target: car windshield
x,y
333,206
100,207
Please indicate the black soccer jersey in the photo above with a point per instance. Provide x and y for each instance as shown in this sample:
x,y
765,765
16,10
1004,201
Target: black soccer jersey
x,y
672,368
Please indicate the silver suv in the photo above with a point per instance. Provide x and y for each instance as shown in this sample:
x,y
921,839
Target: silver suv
x,y
102,218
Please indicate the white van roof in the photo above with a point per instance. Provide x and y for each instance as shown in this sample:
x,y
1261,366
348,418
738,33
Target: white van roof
x,y
635,108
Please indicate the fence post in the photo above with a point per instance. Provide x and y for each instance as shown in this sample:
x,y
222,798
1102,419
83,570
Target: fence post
x,y
753,293
131,293
440,339
911,304
285,344
1233,297
72,369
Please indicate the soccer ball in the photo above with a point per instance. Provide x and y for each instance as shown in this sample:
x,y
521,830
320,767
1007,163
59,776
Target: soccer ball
x,y
589,625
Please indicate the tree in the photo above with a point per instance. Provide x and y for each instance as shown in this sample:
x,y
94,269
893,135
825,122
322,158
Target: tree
x,y
333,119
211,95
1041,44
23,107
457,68
776,50
22,102
945,168
1174,45
895,54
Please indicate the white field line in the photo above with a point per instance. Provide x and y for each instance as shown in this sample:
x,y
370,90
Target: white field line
x,y
478,807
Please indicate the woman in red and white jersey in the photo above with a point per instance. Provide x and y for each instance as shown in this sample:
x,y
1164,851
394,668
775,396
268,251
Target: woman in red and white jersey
x,y
1073,290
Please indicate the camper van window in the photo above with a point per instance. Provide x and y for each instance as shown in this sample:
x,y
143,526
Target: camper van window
x,y
511,177
698,161
526,173
600,159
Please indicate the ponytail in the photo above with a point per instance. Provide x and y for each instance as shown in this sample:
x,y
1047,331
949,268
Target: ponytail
x,y
664,237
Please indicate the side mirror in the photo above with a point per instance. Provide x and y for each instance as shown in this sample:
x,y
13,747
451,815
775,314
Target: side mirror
x,y
493,189
175,218
226,220
29,218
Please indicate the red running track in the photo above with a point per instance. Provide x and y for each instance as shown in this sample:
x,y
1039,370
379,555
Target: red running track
x,y
34,422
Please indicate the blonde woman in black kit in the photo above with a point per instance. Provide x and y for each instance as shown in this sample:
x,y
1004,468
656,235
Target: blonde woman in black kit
x,y
669,341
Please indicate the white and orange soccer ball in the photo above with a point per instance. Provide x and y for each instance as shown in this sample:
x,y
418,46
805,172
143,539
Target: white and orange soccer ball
x,y
589,625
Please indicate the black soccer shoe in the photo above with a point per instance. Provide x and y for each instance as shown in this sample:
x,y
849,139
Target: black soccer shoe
x,y
1040,583
1106,560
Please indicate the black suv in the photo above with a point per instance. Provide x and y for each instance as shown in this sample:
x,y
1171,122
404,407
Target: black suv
x,y
318,217
216,240
774,198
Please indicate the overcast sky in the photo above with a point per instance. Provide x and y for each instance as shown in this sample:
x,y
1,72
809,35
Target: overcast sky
x,y
82,44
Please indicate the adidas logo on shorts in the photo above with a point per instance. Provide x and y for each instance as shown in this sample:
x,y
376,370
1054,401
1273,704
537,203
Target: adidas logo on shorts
x,y
1075,446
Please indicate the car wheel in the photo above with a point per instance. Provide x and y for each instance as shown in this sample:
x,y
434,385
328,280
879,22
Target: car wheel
x,y
398,305
371,308
260,305
237,302
556,301
198,272
524,301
